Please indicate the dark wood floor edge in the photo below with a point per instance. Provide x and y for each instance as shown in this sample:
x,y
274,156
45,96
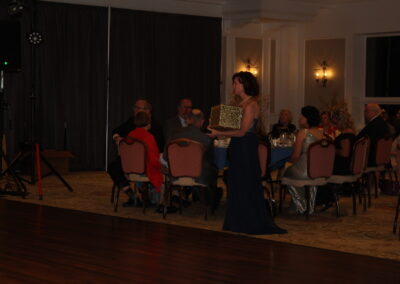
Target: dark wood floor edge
x,y
239,235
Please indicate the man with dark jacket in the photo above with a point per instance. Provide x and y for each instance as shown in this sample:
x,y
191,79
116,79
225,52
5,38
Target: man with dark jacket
x,y
115,168
180,120
375,129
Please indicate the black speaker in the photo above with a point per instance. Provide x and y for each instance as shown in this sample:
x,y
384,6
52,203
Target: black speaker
x,y
10,45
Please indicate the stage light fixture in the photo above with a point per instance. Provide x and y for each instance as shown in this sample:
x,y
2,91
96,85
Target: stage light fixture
x,y
35,38
15,7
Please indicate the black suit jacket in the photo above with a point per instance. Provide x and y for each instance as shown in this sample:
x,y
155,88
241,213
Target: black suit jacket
x,y
171,126
209,172
375,129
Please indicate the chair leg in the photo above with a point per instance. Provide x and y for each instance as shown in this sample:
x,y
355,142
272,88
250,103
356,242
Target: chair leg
x,y
307,195
116,198
361,185
375,185
373,175
180,200
205,192
272,190
167,198
396,216
271,183
270,201
281,189
365,190
337,202
353,193
113,193
145,196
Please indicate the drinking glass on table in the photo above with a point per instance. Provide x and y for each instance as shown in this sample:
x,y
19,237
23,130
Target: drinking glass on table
x,y
283,139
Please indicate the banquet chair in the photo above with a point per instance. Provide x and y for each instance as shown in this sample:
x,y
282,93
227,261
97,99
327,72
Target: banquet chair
x,y
359,159
133,154
263,155
382,158
321,156
185,158
396,216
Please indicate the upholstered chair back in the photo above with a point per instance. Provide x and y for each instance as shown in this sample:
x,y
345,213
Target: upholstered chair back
x,y
383,150
133,154
185,158
360,155
321,157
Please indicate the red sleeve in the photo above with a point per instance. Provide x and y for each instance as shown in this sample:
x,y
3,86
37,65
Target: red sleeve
x,y
152,150
153,162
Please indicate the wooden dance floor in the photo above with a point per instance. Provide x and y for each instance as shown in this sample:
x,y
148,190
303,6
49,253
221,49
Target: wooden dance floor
x,y
40,244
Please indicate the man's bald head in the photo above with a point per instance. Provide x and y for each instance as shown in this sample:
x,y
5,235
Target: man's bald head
x,y
196,118
371,110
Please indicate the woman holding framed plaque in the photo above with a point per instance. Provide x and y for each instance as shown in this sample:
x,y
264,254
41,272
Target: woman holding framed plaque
x,y
246,210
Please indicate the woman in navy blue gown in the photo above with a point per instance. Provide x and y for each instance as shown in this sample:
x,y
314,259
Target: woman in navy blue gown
x,y
246,210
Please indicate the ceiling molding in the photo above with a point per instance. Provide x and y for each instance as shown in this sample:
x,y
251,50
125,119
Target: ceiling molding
x,y
207,8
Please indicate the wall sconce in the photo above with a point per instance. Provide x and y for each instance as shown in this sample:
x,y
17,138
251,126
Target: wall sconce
x,y
250,67
321,74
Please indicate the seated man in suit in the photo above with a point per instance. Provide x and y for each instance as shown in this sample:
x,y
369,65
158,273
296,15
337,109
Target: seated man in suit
x,y
375,129
177,122
115,167
209,174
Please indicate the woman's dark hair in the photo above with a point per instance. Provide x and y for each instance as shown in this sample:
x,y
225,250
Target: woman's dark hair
x,y
142,119
248,81
312,115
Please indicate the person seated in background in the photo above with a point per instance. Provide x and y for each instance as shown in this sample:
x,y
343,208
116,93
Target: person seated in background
x,y
344,147
326,125
308,133
343,142
375,129
114,167
209,172
153,165
284,124
180,120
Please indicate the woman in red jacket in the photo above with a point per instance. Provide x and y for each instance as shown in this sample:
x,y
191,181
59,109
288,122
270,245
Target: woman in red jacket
x,y
153,170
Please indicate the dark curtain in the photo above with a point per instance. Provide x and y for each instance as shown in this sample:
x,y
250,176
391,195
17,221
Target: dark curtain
x,y
15,108
162,57
72,81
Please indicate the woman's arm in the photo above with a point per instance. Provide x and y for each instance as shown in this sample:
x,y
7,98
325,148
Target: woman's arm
x,y
248,116
297,146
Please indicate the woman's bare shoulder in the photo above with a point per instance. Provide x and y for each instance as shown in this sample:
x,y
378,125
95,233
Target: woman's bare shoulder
x,y
317,132
301,133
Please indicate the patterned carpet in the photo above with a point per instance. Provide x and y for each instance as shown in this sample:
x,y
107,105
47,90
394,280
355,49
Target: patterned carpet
x,y
367,233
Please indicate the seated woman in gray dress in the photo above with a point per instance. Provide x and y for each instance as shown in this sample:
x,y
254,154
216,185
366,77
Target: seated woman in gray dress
x,y
308,133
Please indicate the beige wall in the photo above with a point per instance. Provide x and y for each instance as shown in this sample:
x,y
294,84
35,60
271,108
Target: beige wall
x,y
333,52
247,48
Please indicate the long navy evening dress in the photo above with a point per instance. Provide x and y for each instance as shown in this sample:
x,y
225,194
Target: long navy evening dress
x,y
246,210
